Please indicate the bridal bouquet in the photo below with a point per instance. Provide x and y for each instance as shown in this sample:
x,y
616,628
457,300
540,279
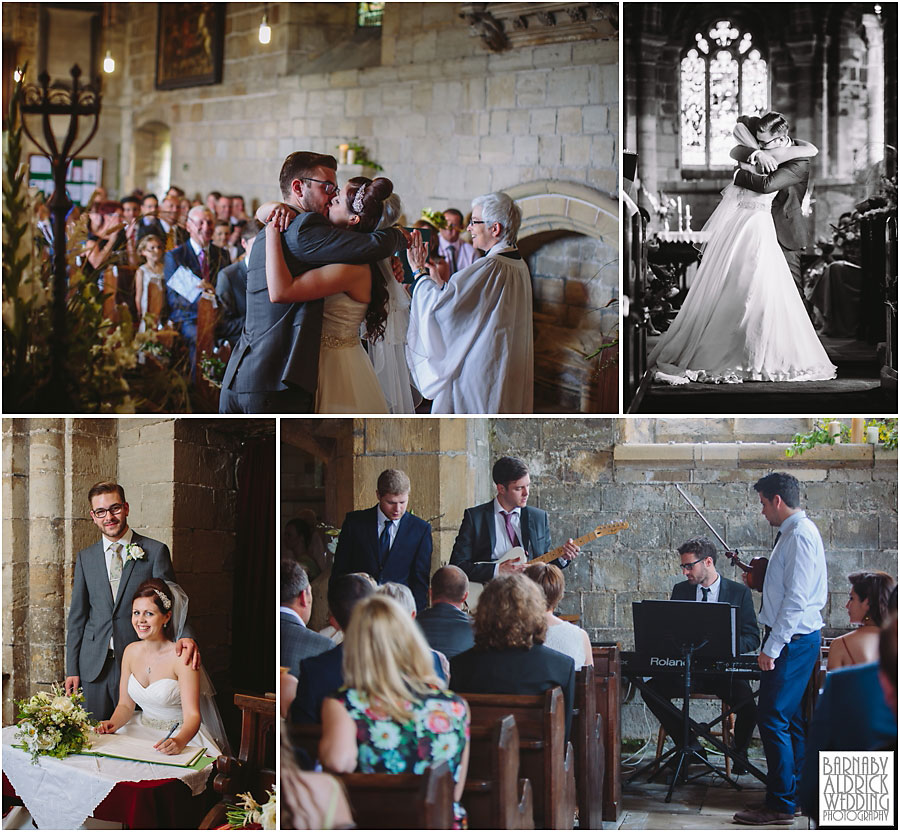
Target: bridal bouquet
x,y
53,723
250,812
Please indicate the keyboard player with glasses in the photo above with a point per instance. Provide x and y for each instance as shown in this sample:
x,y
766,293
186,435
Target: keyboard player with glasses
x,y
703,583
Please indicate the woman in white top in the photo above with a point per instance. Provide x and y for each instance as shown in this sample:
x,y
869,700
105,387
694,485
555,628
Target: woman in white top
x,y
562,636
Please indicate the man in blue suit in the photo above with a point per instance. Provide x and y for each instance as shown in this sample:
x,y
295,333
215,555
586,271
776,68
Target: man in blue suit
x,y
204,261
490,530
386,541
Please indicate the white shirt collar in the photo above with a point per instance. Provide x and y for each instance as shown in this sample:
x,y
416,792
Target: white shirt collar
x,y
293,612
498,508
197,248
125,539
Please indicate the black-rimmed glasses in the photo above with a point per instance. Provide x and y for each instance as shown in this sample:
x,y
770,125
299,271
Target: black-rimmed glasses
x,y
328,187
692,564
100,513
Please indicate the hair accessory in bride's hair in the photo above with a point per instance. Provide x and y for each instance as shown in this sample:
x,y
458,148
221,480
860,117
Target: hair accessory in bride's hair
x,y
358,199
166,602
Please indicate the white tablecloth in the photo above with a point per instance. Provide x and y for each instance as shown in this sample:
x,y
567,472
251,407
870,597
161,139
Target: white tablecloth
x,y
682,236
61,794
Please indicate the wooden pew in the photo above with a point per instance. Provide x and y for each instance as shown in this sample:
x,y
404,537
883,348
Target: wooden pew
x,y
253,769
495,797
608,679
587,740
402,801
207,317
544,757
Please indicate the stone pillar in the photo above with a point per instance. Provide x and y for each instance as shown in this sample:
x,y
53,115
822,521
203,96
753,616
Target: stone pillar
x,y
874,38
648,105
45,627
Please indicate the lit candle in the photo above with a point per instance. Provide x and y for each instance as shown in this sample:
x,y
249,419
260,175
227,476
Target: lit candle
x,y
342,150
857,426
834,429
351,156
680,217
872,435
687,217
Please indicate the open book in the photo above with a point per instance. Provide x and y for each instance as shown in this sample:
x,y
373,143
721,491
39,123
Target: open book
x,y
124,747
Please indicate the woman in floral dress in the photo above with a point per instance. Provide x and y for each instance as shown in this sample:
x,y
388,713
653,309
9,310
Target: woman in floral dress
x,y
392,715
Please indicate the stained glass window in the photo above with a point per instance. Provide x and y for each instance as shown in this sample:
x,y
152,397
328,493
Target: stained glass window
x,y
723,75
369,14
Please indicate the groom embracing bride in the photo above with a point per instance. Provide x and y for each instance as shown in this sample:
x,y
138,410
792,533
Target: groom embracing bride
x,y
743,319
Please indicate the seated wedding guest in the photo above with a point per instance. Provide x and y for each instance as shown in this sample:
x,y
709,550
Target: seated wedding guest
x,y
212,200
203,261
446,626
867,608
390,691
562,636
175,192
322,674
176,234
151,248
509,655
298,642
98,195
458,253
238,213
221,237
310,799
853,713
103,239
129,235
470,346
223,209
404,597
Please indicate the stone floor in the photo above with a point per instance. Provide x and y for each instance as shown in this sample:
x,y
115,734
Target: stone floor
x,y
707,803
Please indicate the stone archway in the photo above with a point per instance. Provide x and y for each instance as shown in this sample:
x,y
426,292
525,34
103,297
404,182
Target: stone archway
x,y
570,237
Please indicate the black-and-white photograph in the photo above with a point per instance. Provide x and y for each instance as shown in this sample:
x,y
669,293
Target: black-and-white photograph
x,y
760,196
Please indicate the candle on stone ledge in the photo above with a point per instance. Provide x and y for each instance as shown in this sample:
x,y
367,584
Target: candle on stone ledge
x,y
857,426
687,217
342,151
834,429
680,216
872,435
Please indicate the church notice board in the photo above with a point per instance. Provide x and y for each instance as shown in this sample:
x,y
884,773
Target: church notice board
x,y
82,177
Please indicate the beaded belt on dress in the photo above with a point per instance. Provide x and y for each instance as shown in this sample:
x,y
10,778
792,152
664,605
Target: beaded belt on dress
x,y
335,343
162,724
754,205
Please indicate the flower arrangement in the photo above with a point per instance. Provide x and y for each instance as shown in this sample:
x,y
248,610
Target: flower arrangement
x,y
819,435
212,368
54,723
250,812
362,156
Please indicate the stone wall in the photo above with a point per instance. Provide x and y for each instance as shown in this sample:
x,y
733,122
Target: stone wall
x,y
446,118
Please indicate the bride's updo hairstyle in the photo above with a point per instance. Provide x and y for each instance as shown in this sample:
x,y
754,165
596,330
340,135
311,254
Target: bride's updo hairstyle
x,y
366,198
160,593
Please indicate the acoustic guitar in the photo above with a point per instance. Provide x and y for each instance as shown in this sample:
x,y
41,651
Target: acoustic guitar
x,y
519,554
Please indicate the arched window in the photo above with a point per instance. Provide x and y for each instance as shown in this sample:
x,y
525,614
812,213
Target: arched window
x,y
723,75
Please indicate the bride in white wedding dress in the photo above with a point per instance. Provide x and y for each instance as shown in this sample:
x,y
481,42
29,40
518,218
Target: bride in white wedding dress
x,y
169,693
743,319
354,294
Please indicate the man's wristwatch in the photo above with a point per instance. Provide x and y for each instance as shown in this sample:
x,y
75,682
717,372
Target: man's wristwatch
x,y
418,273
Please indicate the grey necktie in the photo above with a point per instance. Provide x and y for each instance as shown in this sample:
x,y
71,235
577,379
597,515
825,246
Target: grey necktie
x,y
451,258
705,591
115,569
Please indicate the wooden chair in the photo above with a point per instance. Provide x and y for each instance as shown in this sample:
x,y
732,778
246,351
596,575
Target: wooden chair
x,y
495,797
402,801
725,732
253,769
545,757
608,679
110,294
156,300
587,740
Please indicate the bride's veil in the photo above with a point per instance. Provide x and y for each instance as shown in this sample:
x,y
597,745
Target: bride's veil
x,y
210,717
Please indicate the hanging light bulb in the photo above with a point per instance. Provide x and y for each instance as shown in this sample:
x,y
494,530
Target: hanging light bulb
x,y
265,30
109,65
17,75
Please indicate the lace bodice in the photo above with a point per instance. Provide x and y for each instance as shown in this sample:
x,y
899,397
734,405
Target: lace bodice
x,y
341,318
752,201
160,702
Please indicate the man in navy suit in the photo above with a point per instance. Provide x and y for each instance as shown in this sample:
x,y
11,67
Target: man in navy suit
x,y
490,530
298,642
703,583
447,628
204,260
323,674
386,541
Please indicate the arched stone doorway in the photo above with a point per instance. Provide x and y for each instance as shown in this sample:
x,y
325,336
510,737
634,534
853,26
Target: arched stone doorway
x,y
570,239
152,163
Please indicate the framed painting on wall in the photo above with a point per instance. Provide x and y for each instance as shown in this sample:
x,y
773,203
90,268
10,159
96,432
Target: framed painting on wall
x,y
189,44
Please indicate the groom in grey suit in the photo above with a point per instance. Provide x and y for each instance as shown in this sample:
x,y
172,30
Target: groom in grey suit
x,y
275,366
107,575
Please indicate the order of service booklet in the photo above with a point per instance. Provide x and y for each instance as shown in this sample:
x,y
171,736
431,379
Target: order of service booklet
x,y
124,747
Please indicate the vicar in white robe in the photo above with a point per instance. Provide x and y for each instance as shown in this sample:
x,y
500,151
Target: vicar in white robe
x,y
470,345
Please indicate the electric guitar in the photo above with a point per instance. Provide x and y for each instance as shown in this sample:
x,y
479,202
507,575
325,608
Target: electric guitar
x,y
519,554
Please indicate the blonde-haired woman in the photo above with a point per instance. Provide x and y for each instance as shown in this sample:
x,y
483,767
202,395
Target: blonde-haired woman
x,y
509,655
561,636
392,714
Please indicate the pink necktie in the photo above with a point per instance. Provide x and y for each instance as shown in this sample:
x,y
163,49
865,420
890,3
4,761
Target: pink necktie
x,y
204,266
510,531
